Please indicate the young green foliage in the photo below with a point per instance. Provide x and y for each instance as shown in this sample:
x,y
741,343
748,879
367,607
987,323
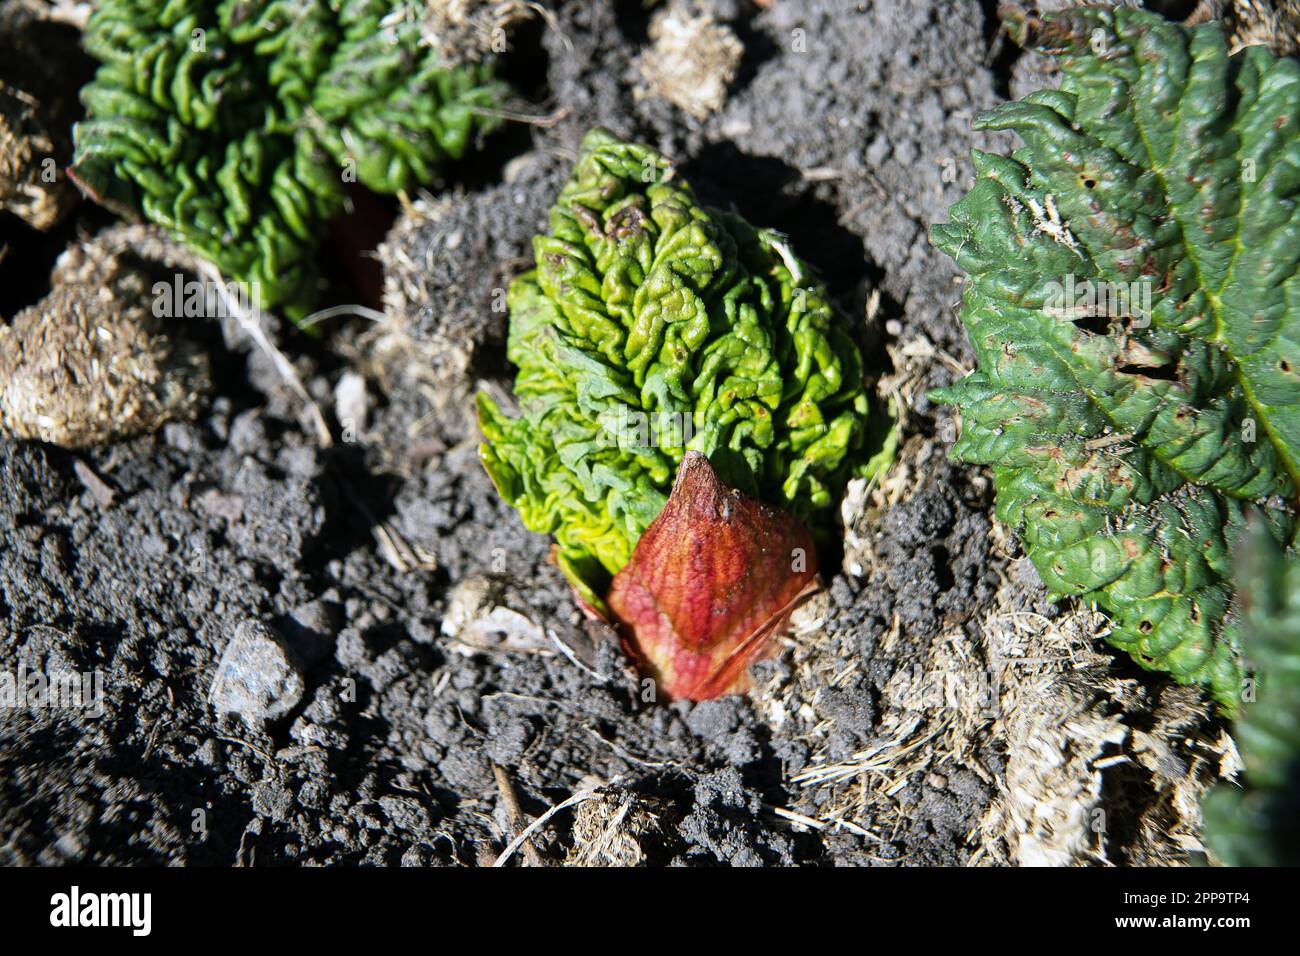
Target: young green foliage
x,y
652,325
1134,306
237,124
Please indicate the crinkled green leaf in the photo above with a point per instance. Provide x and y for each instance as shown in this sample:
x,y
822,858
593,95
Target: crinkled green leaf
x,y
1126,447
232,122
652,325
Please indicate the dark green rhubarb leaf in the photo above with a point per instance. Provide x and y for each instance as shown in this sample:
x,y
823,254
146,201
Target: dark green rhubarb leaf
x,y
1255,820
1134,306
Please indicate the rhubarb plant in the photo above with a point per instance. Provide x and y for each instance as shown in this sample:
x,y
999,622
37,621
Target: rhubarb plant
x,y
1133,302
653,327
1253,821
238,124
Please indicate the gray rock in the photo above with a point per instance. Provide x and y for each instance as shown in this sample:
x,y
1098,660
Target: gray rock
x,y
258,677
311,629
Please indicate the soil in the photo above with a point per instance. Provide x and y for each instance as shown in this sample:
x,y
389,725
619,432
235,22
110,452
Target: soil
x,y
417,740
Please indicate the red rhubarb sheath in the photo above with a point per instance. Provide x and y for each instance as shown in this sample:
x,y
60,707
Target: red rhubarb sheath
x,y
711,583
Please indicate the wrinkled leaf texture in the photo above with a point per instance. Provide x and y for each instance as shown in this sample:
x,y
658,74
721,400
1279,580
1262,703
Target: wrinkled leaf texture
x,y
1127,449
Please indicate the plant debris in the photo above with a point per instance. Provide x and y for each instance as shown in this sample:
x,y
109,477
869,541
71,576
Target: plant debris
x,y
93,362
691,60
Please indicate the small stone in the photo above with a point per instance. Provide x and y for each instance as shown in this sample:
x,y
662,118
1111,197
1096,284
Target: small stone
x,y
70,847
417,855
99,489
312,628
181,436
479,618
257,678
208,754
248,433
351,404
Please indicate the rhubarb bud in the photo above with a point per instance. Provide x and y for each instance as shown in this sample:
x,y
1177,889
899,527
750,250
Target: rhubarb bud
x,y
710,584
